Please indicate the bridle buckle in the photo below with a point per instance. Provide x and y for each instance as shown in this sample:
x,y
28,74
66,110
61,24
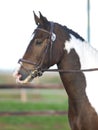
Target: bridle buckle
x,y
36,73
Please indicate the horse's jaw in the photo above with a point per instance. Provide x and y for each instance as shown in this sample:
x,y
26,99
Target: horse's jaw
x,y
29,78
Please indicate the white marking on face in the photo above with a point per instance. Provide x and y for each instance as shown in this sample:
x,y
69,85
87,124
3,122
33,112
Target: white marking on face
x,y
88,59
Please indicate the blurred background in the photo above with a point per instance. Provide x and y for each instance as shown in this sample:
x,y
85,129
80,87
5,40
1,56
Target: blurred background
x,y
16,26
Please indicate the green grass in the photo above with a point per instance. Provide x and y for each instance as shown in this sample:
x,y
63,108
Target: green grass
x,y
34,123
44,99
29,106
36,99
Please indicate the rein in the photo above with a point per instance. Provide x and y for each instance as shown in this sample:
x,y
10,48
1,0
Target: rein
x,y
70,71
58,70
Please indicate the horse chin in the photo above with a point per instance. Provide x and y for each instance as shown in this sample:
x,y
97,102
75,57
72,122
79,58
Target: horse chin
x,y
29,78
25,81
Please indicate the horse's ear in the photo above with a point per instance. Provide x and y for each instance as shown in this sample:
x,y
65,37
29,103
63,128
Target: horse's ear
x,y
43,19
36,18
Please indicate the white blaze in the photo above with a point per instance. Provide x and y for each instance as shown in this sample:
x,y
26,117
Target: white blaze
x,y
89,59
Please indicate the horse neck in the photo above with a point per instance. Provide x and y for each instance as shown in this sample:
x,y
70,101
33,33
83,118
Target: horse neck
x,y
71,81
76,56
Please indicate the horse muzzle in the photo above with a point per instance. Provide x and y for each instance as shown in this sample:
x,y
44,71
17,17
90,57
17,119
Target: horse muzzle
x,y
29,78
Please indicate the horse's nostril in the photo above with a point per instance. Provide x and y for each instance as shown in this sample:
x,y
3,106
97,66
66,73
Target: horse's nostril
x,y
19,73
16,73
23,74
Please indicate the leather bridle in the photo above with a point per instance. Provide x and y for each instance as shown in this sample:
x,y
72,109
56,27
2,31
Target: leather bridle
x,y
38,66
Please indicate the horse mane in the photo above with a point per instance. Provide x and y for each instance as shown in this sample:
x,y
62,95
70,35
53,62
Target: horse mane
x,y
70,31
92,51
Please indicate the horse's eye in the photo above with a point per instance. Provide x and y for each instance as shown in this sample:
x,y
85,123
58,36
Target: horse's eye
x,y
38,41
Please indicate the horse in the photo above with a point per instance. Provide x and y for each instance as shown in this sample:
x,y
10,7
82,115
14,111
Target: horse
x,y
77,62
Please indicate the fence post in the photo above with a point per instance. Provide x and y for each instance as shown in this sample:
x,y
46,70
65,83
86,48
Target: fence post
x,y
23,95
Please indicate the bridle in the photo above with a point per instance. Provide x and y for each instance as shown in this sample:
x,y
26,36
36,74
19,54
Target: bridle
x,y
38,66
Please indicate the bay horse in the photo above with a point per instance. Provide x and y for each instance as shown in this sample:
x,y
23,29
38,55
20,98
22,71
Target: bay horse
x,y
77,62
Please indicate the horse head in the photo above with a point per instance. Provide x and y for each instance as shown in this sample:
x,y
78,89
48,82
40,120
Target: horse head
x,y
43,51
